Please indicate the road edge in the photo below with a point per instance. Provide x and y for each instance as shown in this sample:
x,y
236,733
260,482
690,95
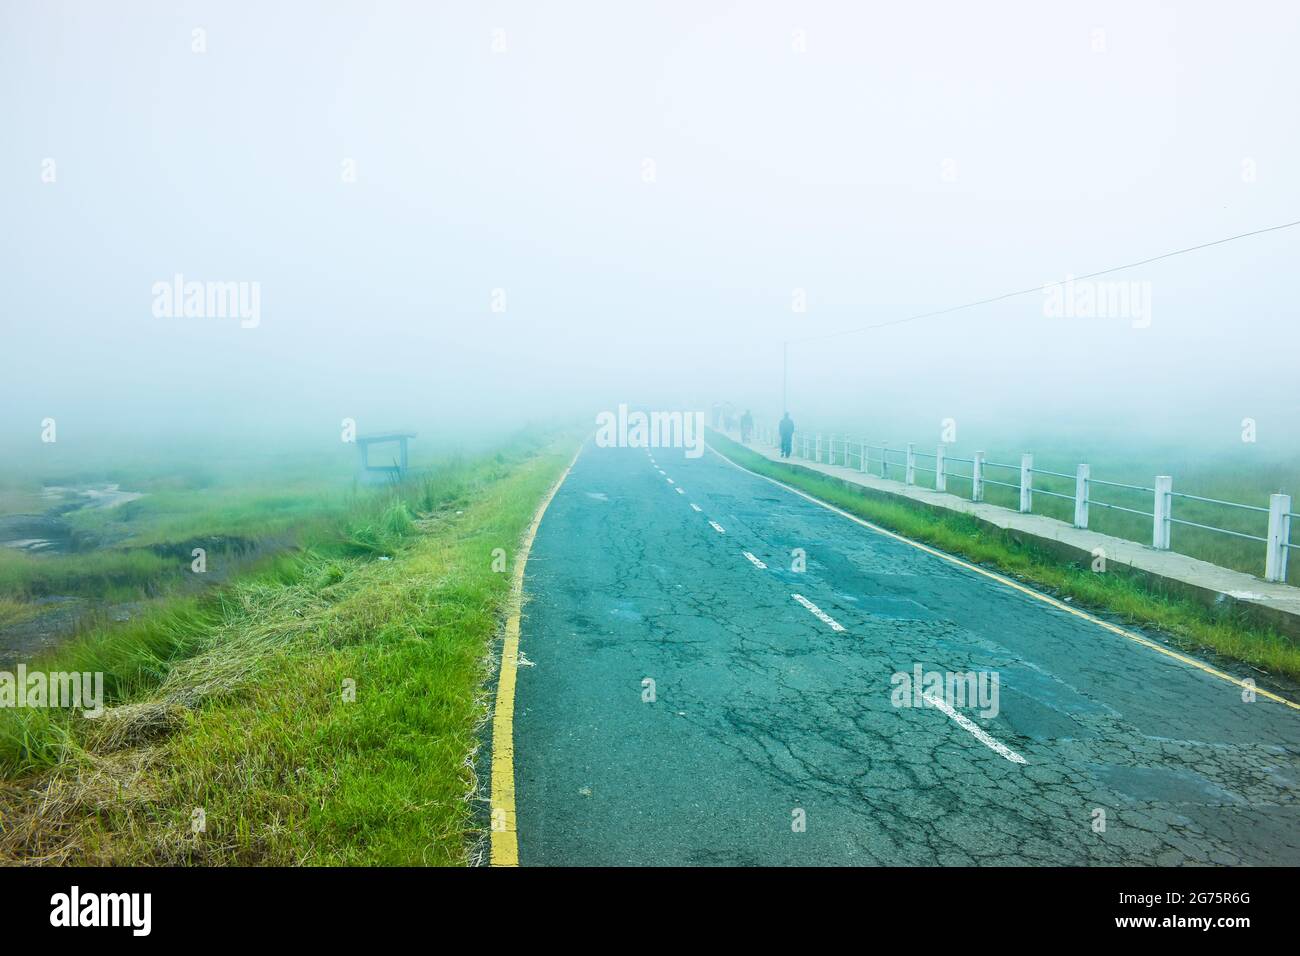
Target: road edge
x,y
504,848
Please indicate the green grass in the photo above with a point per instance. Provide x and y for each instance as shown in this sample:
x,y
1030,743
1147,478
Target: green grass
x,y
114,575
233,701
149,541
1186,623
142,550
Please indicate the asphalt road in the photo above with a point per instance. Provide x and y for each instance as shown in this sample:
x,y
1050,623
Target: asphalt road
x,y
773,736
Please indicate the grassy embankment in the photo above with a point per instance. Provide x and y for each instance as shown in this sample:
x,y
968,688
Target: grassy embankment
x,y
234,702
1186,624
141,550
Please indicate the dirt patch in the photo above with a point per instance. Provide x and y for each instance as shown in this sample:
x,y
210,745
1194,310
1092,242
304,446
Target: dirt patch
x,y
49,532
212,544
35,533
54,620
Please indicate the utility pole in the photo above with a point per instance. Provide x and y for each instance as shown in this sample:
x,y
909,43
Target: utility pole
x,y
785,377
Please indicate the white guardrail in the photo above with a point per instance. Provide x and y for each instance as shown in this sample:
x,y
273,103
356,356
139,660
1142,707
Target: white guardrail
x,y
907,460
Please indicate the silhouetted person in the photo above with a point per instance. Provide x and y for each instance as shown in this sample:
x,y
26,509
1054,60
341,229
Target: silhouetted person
x,y
746,427
787,435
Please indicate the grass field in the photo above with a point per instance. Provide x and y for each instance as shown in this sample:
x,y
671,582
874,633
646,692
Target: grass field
x,y
142,549
320,708
1186,624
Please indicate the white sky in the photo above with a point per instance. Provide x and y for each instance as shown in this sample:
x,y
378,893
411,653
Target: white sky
x,y
775,170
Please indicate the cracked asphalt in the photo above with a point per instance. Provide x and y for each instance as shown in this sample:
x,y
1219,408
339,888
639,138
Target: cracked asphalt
x,y
763,715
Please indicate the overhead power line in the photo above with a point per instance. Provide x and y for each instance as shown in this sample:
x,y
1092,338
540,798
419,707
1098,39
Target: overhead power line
x,y
1039,288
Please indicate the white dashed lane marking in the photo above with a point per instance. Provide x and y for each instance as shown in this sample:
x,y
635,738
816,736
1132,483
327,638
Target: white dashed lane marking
x,y
967,724
679,490
818,612
670,481
934,701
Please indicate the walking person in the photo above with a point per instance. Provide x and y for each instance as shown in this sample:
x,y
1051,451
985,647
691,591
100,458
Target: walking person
x,y
787,435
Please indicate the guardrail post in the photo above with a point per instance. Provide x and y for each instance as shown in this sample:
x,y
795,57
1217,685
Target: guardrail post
x,y
910,474
940,474
864,456
1027,482
884,459
819,447
1162,511
1279,533
1081,497
977,477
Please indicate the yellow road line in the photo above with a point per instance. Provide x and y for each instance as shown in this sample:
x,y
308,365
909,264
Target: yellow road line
x,y
1037,595
505,837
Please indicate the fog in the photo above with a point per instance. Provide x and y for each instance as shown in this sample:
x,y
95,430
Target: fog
x,y
465,217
